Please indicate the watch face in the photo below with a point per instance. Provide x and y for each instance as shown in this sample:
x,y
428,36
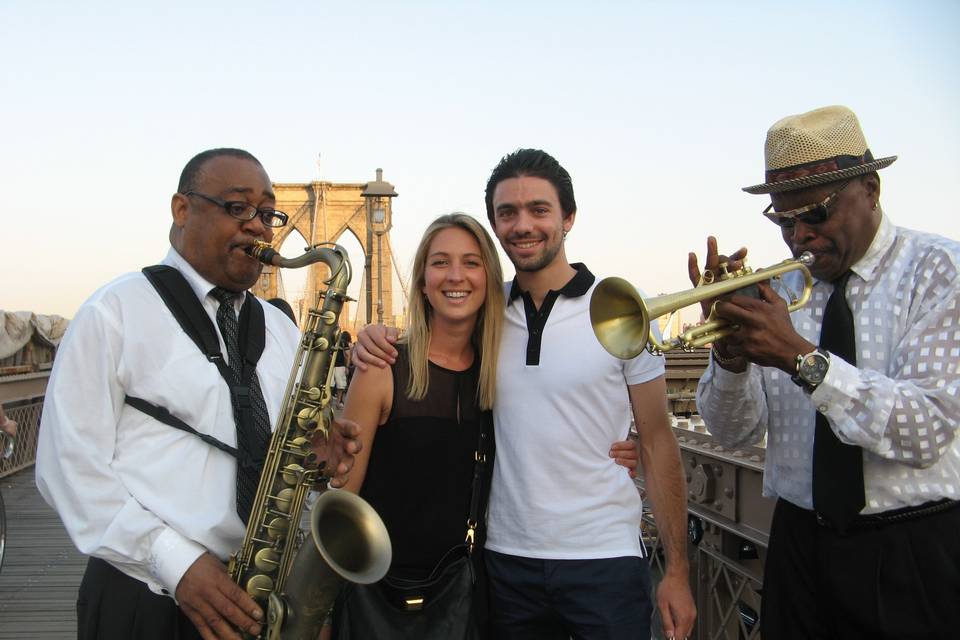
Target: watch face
x,y
814,368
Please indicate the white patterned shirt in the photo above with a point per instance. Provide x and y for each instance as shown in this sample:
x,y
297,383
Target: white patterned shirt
x,y
900,403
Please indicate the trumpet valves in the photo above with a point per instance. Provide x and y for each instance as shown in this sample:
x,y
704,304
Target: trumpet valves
x,y
726,273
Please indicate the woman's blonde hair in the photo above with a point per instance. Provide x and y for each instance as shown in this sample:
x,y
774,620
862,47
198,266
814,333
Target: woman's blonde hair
x,y
486,333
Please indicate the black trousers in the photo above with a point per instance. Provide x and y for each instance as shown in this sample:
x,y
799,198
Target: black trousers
x,y
892,580
602,599
113,606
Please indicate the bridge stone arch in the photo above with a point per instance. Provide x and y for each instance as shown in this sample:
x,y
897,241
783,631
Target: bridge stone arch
x,y
324,211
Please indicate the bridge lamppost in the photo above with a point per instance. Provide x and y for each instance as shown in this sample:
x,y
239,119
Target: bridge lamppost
x,y
379,220
265,275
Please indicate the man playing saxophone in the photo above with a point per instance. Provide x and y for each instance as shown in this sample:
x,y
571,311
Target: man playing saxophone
x,y
159,509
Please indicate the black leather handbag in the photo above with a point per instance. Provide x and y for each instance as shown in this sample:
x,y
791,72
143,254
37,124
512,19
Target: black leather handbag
x,y
444,606
441,606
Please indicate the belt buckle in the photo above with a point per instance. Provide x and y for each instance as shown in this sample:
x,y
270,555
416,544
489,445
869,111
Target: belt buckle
x,y
823,521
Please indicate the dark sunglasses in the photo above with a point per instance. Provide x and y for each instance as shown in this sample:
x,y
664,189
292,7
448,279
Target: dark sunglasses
x,y
811,214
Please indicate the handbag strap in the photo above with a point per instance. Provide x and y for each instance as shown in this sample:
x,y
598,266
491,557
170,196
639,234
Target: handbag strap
x,y
479,462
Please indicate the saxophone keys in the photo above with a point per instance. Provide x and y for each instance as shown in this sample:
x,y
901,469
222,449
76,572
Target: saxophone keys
x,y
278,528
292,474
321,343
319,432
300,445
259,586
326,397
267,560
307,417
314,393
283,500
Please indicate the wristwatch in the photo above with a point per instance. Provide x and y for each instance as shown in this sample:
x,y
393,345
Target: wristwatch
x,y
811,369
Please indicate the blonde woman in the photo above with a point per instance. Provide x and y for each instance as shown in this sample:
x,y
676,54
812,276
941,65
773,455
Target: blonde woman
x,y
421,418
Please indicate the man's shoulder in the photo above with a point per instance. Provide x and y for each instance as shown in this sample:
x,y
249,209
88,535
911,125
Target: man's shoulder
x,y
128,288
928,251
109,308
277,322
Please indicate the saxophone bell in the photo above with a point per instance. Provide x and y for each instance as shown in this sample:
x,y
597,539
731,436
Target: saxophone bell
x,y
347,541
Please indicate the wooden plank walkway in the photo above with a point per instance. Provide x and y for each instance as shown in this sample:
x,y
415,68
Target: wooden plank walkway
x,y
41,567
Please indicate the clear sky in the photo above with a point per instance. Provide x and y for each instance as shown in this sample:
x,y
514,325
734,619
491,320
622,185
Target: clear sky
x,y
657,109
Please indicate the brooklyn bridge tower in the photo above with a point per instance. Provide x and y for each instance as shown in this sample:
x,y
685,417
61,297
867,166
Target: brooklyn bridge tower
x,y
322,211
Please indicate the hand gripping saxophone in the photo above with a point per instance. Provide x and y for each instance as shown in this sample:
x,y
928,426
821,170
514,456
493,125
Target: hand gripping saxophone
x,y
298,577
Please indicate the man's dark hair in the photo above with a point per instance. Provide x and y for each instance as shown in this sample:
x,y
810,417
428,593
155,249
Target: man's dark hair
x,y
537,164
190,175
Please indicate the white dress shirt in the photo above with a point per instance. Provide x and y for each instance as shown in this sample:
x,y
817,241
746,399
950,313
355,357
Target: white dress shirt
x,y
900,403
146,497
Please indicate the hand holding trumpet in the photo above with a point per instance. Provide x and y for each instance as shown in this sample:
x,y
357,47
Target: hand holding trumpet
x,y
764,335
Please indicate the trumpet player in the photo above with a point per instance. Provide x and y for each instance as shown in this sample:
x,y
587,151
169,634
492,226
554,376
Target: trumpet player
x,y
858,395
159,509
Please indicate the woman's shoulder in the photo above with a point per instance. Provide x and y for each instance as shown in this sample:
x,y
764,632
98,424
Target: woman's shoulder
x,y
372,375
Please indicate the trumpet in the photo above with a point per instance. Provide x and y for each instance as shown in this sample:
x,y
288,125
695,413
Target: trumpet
x,y
621,318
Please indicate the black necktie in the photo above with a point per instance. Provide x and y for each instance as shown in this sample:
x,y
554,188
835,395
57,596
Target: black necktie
x,y
837,467
253,436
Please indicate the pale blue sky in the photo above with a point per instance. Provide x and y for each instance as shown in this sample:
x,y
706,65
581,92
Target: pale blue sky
x,y
657,109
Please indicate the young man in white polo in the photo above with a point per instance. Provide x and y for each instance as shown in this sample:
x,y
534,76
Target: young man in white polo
x,y
563,550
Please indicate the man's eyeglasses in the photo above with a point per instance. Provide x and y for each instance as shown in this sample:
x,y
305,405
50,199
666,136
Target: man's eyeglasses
x,y
244,210
811,214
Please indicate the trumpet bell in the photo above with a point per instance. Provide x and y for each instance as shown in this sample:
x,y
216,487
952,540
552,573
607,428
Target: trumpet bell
x,y
620,318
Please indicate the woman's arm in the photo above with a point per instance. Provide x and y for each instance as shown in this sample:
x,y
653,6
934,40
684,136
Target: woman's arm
x,y
368,403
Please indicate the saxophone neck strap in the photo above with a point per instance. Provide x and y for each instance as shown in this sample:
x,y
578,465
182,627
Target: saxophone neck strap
x,y
244,459
183,303
186,308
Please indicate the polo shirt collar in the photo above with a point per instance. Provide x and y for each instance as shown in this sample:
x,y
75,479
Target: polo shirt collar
x,y
577,286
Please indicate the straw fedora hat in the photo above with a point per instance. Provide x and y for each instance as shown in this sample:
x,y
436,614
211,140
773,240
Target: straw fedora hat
x,y
817,147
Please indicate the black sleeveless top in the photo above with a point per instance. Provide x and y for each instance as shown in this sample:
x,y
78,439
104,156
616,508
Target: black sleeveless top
x,y
421,466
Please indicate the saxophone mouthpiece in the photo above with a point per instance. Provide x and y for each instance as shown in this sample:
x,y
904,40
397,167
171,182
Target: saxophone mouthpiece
x,y
263,252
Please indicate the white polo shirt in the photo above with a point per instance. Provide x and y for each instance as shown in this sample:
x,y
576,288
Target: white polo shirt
x,y
561,402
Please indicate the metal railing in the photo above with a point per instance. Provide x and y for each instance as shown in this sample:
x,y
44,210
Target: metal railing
x,y
26,413
727,592
728,532
728,595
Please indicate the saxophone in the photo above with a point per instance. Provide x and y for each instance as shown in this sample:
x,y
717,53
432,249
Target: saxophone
x,y
298,577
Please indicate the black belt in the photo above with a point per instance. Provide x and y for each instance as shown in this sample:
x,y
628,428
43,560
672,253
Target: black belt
x,y
891,517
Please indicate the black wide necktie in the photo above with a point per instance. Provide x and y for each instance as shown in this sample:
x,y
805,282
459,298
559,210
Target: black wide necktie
x,y
837,467
253,435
